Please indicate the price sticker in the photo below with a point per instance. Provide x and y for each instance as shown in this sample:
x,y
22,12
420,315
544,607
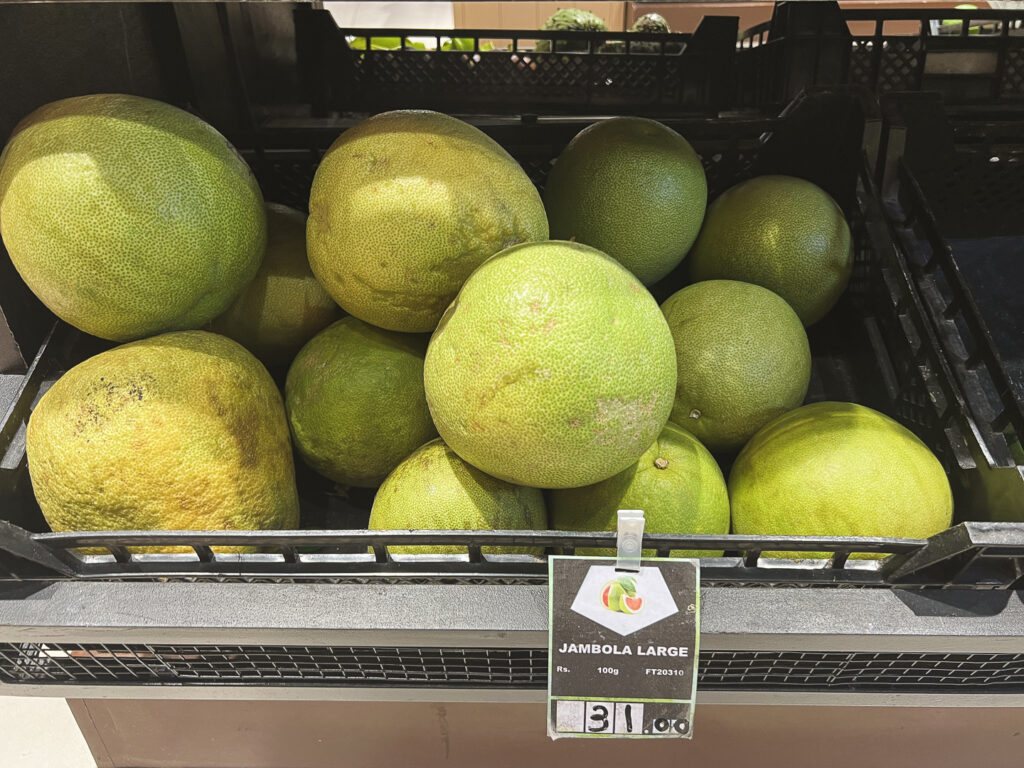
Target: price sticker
x,y
622,656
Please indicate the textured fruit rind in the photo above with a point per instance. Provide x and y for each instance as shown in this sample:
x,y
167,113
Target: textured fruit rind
x,y
687,496
405,206
284,306
780,232
743,360
184,430
553,368
632,188
433,489
355,401
129,217
838,469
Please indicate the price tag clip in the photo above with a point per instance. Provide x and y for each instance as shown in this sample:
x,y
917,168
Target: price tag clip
x,y
629,544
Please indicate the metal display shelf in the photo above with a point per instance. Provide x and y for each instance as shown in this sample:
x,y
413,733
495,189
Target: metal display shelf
x,y
936,622
407,642
330,614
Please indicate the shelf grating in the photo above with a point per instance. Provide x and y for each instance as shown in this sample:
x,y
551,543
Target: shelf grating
x,y
849,672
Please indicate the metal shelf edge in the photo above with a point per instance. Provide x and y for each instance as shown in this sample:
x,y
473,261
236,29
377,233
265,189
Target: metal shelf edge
x,y
492,696
501,616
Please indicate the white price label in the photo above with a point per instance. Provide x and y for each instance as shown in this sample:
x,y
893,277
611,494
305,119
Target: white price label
x,y
623,648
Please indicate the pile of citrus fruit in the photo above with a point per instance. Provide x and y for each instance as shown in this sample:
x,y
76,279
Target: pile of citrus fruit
x,y
485,356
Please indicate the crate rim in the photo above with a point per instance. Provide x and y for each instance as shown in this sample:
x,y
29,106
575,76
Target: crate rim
x,y
881,15
966,556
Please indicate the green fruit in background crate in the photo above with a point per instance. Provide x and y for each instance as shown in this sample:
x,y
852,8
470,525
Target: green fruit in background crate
x,y
284,306
433,489
570,20
553,367
129,217
743,358
677,484
651,22
838,469
465,44
385,44
954,26
780,232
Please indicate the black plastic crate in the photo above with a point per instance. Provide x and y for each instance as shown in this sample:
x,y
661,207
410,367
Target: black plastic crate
x,y
955,194
874,348
507,71
972,57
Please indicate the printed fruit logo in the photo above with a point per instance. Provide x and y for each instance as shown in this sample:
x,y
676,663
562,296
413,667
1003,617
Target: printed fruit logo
x,y
620,595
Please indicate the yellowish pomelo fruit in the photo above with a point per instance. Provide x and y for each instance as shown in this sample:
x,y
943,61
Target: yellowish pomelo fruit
x,y
355,401
743,360
129,217
994,494
676,483
284,306
433,489
184,430
632,188
405,206
782,233
838,469
553,367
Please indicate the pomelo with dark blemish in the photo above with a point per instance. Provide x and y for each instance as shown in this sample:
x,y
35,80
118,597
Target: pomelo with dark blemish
x,y
181,431
428,195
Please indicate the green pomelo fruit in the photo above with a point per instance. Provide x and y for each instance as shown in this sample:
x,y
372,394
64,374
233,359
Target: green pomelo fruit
x,y
355,401
994,494
284,306
433,489
782,233
129,217
743,360
184,430
405,206
630,604
632,188
838,469
553,368
676,483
